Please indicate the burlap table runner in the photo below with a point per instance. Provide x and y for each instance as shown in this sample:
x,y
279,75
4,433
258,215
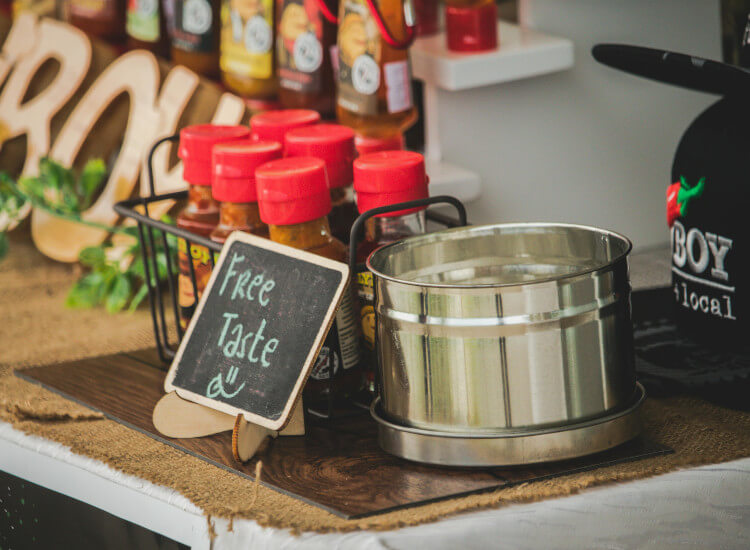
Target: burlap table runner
x,y
37,329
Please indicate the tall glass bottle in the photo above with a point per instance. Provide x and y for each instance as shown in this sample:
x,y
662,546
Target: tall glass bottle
x,y
306,35
234,166
334,144
384,179
194,31
146,27
374,77
294,201
201,213
273,125
248,65
103,19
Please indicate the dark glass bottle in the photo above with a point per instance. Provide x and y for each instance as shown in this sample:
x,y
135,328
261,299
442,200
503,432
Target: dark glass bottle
x,y
294,201
334,144
384,179
234,166
201,213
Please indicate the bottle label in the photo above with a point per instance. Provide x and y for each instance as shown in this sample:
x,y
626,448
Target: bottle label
x,y
367,306
358,57
99,9
193,26
299,48
202,266
247,38
359,66
398,86
341,346
143,20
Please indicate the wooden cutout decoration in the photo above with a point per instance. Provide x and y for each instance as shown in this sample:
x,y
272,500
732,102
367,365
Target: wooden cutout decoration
x,y
183,99
51,40
257,330
247,439
178,418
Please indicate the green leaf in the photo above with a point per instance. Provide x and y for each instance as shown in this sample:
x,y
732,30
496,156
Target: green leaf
x,y
138,298
91,180
86,292
3,245
118,295
92,256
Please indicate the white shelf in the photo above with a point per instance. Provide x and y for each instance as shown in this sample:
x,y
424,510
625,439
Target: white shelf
x,y
449,179
523,53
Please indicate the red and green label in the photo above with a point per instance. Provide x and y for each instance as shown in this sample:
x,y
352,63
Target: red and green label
x,y
679,195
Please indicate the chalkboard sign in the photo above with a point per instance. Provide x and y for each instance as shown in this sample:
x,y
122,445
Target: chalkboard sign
x,y
257,330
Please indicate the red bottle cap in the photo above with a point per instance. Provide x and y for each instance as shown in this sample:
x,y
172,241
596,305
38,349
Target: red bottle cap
x,y
292,190
196,145
366,145
234,167
471,29
332,143
389,177
273,125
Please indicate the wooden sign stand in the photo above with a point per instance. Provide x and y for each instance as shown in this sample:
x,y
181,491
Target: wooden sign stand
x,y
255,336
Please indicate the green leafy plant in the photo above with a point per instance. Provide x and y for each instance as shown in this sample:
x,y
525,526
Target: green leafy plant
x,y
116,277
116,282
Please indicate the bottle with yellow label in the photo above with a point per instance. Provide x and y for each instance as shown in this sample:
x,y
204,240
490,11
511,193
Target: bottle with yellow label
x,y
247,62
374,78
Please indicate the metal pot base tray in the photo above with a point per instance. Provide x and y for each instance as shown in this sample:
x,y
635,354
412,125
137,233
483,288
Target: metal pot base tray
x,y
511,448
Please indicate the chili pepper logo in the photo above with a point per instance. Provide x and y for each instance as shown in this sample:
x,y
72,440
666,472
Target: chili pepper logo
x,y
679,194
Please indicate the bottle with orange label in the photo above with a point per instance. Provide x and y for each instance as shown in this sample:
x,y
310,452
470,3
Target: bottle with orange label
x,y
384,179
374,76
274,125
194,32
295,201
334,144
306,37
201,213
248,64
146,27
103,19
234,166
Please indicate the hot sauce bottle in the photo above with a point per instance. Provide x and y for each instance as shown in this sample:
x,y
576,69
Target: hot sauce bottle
x,y
383,179
103,19
374,76
306,35
146,27
334,144
471,25
194,31
273,125
248,66
233,186
366,145
294,201
201,213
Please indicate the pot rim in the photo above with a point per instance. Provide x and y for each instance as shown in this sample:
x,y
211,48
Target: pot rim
x,y
464,286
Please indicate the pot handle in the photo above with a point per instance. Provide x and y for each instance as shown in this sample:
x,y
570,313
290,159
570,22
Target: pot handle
x,y
359,223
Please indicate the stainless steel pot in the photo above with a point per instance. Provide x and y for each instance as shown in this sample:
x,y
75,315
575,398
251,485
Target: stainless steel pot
x,y
504,327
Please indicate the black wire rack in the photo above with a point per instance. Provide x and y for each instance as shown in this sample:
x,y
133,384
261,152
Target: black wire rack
x,y
163,296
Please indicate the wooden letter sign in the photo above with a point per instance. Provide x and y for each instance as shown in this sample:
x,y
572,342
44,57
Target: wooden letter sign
x,y
257,330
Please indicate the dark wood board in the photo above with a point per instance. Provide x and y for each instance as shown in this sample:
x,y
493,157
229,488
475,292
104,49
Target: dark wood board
x,y
337,466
